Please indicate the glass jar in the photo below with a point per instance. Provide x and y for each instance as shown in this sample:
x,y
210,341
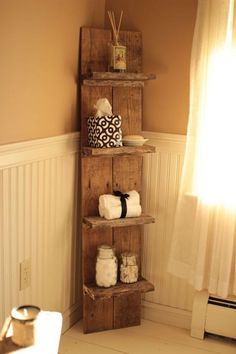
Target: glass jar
x,y
128,268
106,267
117,57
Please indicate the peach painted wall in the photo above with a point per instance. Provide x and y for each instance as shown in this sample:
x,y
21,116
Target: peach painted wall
x,y
38,65
167,28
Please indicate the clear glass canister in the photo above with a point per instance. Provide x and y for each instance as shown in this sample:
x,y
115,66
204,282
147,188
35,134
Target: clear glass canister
x,y
117,57
106,267
128,268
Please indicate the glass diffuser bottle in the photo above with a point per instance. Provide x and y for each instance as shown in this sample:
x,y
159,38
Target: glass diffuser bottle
x,y
117,51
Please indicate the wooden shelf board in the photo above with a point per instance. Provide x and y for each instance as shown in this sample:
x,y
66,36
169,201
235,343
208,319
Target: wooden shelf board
x,y
119,76
97,221
113,83
99,293
123,150
116,79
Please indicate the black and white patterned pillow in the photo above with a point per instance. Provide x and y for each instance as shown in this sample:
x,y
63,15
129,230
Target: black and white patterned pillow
x,y
104,131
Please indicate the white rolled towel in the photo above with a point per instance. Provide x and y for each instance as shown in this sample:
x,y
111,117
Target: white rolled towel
x,y
110,205
107,201
115,212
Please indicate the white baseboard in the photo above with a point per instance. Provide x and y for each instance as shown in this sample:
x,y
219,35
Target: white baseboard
x,y
71,316
166,315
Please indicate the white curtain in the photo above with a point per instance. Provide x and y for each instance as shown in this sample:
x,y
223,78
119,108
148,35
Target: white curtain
x,y
204,237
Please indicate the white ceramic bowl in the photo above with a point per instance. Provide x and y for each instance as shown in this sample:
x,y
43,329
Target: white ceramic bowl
x,y
132,142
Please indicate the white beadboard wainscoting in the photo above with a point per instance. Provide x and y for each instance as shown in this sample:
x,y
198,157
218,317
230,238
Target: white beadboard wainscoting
x,y
38,222
171,302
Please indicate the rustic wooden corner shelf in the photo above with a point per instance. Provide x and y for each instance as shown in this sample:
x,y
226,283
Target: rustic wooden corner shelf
x,y
105,170
97,221
98,293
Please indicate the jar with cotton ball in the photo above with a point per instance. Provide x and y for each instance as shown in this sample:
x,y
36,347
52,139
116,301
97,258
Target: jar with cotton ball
x,y
106,267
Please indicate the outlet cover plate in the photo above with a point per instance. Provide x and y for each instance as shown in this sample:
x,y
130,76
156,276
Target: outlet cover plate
x,y
25,274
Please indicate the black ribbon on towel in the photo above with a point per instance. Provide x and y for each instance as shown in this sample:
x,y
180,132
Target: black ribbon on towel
x,y
123,198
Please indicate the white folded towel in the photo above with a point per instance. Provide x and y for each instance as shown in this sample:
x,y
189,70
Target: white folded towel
x,y
110,205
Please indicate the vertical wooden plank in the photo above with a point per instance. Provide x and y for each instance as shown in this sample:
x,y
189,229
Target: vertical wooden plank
x,y
127,176
127,173
98,315
127,101
127,310
133,42
94,49
96,180
91,240
128,239
89,96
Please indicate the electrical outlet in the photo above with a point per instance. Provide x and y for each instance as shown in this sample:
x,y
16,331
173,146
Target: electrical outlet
x,y
25,274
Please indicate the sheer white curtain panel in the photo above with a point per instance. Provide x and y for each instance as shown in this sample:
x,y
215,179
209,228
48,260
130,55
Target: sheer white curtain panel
x,y
204,235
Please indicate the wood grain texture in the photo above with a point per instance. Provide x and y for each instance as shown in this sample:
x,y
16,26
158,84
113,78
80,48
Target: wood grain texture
x,y
127,310
128,240
97,293
93,171
133,43
98,315
94,49
124,150
127,176
111,170
127,102
89,96
127,173
113,83
92,239
127,76
98,222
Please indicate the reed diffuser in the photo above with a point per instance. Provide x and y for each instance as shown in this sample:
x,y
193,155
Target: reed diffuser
x,y
117,51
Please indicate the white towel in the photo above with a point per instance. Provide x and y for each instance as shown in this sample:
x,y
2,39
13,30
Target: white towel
x,y
109,200
115,212
110,205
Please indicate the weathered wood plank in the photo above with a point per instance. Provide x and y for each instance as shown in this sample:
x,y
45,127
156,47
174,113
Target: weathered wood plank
x,y
92,239
127,102
127,76
96,293
96,179
98,222
113,83
124,150
127,310
94,50
133,43
127,173
128,240
98,315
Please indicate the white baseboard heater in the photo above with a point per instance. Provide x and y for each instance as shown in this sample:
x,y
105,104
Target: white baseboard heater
x,y
213,315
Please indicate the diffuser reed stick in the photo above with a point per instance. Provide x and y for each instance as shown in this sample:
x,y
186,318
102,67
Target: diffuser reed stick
x,y
115,29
